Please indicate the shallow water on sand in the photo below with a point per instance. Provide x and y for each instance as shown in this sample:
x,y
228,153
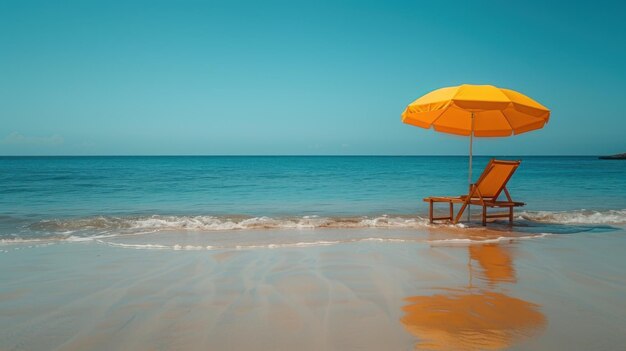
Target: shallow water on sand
x,y
561,291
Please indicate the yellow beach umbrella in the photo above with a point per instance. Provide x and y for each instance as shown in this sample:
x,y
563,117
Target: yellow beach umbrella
x,y
476,111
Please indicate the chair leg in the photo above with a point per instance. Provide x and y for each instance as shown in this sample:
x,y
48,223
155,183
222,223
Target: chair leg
x,y
458,215
451,211
430,211
484,216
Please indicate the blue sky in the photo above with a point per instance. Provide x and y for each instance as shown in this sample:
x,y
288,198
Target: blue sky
x,y
310,77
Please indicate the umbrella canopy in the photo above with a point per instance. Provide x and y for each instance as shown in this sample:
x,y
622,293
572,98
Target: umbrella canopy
x,y
476,111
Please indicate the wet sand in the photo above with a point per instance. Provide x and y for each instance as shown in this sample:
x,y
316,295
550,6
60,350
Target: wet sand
x,y
550,292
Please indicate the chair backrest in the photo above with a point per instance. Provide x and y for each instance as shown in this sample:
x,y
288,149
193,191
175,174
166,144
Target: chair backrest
x,y
495,176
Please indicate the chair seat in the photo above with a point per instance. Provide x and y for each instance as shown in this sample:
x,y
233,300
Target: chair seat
x,y
490,203
455,199
474,201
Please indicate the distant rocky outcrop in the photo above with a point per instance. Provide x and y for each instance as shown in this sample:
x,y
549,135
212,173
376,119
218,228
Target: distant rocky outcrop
x,y
614,157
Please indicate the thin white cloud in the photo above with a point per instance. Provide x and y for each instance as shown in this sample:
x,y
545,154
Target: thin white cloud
x,y
16,138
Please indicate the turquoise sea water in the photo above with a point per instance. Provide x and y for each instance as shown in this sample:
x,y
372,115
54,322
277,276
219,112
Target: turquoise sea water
x,y
63,196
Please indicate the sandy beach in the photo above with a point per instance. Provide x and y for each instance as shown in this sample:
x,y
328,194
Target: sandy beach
x,y
562,291
313,175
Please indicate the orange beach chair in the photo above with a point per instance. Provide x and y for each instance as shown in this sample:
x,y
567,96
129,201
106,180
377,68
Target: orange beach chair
x,y
484,193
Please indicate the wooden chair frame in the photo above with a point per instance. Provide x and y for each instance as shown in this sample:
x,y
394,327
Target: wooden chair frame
x,y
476,198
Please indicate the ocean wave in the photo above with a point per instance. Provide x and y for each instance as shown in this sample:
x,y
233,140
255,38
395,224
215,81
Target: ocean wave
x,y
576,217
107,225
101,227
213,223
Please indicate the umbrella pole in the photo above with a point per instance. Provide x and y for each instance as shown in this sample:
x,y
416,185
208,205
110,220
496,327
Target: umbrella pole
x,y
469,178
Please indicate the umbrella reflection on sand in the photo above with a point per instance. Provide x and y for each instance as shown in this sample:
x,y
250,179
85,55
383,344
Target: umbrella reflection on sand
x,y
472,318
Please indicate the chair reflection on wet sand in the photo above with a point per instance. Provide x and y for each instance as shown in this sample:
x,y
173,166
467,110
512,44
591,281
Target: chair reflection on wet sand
x,y
472,318
484,193
496,263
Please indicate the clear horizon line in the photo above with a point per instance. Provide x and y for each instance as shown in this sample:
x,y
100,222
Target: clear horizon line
x,y
310,155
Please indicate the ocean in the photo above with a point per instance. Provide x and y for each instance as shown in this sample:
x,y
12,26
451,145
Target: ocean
x,y
63,198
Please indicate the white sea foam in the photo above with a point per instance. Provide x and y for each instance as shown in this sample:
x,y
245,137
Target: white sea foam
x,y
439,242
287,245
94,228
576,217
22,244
213,223
302,244
22,241
471,241
87,238
137,246
133,225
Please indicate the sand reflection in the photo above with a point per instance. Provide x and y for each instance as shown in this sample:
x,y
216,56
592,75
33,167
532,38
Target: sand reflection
x,y
474,318
496,263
